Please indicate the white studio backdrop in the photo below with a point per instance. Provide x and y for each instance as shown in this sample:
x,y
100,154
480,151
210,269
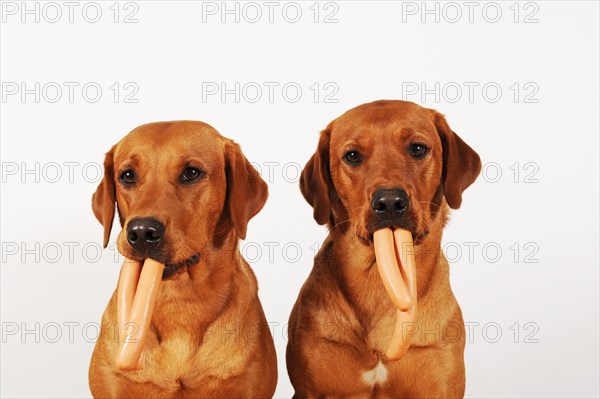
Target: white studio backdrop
x,y
517,80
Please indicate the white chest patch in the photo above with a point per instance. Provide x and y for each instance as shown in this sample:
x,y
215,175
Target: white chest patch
x,y
376,376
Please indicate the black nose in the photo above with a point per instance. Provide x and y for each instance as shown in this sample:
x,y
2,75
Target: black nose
x,y
144,234
389,204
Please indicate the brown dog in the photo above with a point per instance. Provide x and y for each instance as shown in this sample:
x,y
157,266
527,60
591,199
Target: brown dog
x,y
184,195
387,164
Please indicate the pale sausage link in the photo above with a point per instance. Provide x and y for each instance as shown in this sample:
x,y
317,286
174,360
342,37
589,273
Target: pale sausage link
x,y
140,316
404,328
395,261
383,241
128,281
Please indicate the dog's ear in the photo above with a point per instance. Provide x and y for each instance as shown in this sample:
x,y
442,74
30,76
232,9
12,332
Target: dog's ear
x,y
247,192
461,164
103,200
315,181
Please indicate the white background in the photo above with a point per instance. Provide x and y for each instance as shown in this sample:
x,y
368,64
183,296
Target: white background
x,y
375,50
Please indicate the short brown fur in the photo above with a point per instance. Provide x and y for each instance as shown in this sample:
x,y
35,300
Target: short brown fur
x,y
209,337
343,319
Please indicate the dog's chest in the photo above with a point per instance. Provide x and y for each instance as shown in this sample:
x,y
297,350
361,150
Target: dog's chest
x,y
187,350
179,362
374,310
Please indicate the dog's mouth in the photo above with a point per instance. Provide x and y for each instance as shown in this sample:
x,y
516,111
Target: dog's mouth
x,y
417,236
171,268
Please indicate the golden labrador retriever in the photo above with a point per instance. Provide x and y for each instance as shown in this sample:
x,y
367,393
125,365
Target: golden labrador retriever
x,y
184,195
392,165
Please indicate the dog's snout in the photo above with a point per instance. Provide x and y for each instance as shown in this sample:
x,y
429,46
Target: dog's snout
x,y
389,204
145,233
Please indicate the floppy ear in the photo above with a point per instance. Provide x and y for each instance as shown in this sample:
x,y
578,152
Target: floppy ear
x,y
461,164
103,200
315,181
247,192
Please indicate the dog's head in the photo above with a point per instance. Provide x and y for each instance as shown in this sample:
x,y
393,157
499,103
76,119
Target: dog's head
x,y
387,164
178,187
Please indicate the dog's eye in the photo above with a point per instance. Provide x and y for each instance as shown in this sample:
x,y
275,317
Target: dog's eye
x,y
128,178
353,157
417,151
190,174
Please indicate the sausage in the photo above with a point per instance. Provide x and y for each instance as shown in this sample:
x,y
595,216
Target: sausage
x,y
128,280
140,315
405,327
405,254
396,264
387,264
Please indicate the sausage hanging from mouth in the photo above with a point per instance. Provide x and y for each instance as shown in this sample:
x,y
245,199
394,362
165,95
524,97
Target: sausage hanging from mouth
x,y
387,264
128,280
394,255
135,305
